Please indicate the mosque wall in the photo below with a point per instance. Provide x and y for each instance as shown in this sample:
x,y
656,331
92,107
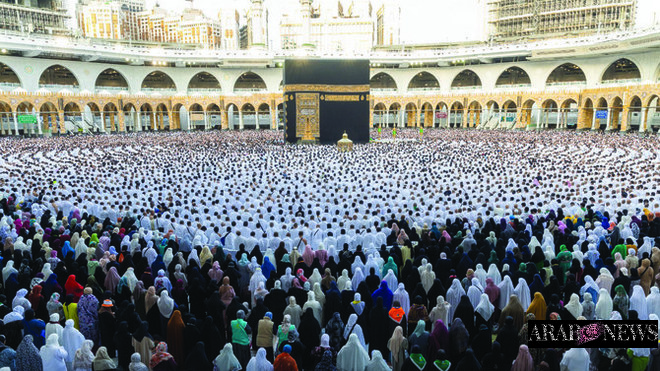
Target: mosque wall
x,y
620,104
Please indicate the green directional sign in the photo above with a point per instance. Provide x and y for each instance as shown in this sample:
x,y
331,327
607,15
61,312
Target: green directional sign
x,y
27,119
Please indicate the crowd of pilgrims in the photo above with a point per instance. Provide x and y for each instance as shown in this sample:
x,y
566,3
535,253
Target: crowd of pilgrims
x,y
230,251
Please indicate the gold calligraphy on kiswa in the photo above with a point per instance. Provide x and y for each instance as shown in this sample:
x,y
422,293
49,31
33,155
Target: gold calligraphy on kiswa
x,y
343,98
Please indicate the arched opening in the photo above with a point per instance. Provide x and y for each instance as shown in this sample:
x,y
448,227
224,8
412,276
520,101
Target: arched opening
x,y
423,81
180,119
130,117
110,116
6,118
566,74
158,81
652,116
197,117
622,71
588,114
616,114
550,117
467,79
396,116
58,77
233,117
91,117
513,77
73,118
474,115
162,117
382,82
492,115
49,118
635,114
263,116
147,118
510,115
26,117
441,115
426,118
569,114
527,114
602,115
249,82
214,116
111,80
249,117
204,83
8,78
410,118
380,115
456,115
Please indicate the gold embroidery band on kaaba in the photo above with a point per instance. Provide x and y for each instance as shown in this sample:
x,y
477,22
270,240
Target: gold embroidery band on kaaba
x,y
344,98
322,88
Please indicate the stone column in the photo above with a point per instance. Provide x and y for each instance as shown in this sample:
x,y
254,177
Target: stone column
x,y
593,119
62,126
643,127
15,123
609,119
224,120
206,121
153,120
401,117
625,119
138,123
558,119
240,119
122,122
273,120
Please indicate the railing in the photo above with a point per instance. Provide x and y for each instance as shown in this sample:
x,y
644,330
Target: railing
x,y
566,83
58,87
620,82
248,90
112,88
466,88
202,91
10,85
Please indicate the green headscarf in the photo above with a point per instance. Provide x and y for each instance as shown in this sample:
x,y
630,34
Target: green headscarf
x,y
620,290
390,265
442,365
522,267
493,258
418,360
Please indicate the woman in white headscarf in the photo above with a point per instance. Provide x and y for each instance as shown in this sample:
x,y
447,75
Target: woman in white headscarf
x,y
357,263
638,303
46,271
494,274
259,362
440,311
168,256
506,290
165,304
604,305
391,279
481,274
255,280
357,304
358,277
315,277
454,294
377,362
485,308
53,356
20,300
428,277
83,357
352,327
604,280
574,307
352,356
287,279
226,359
522,292
9,269
401,295
474,292
341,281
653,302
54,327
294,311
131,279
315,305
72,340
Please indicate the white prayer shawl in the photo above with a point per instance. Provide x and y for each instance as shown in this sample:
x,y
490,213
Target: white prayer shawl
x,y
168,256
165,304
589,283
358,277
401,295
72,340
391,279
318,294
256,278
81,248
315,305
494,274
454,294
286,279
150,254
533,244
653,302
353,355
574,307
485,308
259,362
357,264
522,292
377,362
53,356
440,311
131,278
341,281
352,327
474,294
605,280
604,305
575,359
428,278
8,270
315,277
54,328
638,303
20,300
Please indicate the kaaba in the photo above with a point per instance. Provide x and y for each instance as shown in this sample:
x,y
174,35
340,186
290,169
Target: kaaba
x,y
325,98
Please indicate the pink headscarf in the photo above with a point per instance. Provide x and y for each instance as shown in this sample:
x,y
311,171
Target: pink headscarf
x,y
308,256
524,360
